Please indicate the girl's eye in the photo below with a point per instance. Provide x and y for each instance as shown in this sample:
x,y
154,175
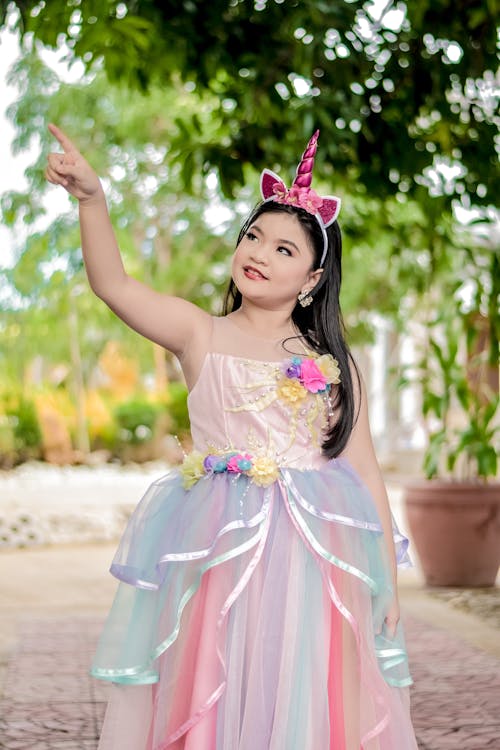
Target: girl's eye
x,y
283,250
251,235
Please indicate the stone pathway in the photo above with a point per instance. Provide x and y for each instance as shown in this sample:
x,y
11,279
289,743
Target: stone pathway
x,y
456,695
51,703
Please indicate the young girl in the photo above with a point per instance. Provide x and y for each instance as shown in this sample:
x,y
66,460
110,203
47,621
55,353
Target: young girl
x,y
258,606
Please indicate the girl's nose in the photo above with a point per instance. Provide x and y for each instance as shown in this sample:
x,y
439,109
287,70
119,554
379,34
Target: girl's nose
x,y
260,254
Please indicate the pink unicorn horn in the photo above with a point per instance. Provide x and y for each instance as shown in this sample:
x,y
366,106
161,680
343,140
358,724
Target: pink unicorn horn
x,y
303,177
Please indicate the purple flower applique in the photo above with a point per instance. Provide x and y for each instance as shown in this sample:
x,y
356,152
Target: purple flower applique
x,y
292,367
215,464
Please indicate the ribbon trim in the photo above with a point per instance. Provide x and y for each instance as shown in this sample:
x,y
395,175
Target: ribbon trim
x,y
295,518
242,583
135,674
325,515
306,532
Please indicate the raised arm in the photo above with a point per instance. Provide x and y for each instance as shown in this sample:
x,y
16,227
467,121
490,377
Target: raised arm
x,y
170,321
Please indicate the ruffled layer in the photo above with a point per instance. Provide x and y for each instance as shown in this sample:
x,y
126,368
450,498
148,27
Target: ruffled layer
x,y
252,614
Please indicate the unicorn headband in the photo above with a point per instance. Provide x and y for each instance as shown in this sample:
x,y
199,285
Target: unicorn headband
x,y
325,210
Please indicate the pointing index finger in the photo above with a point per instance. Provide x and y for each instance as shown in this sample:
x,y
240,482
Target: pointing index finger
x,y
63,139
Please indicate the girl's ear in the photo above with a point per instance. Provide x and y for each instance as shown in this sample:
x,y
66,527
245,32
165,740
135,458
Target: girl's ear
x,y
314,277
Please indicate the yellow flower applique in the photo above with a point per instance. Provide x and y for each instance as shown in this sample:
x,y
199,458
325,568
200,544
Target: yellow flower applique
x,y
329,367
192,469
264,470
291,390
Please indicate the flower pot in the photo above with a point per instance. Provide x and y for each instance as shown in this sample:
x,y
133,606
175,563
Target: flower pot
x,y
456,530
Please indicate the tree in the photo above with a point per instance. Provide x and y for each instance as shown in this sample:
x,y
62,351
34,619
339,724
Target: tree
x,y
163,234
393,244
396,91
50,310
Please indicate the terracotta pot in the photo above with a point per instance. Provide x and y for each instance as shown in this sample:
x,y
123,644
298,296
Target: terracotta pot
x,y
456,530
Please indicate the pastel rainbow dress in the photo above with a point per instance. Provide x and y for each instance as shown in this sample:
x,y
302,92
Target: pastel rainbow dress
x,y
253,581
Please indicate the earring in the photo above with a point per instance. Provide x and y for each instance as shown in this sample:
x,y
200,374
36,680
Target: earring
x,y
305,299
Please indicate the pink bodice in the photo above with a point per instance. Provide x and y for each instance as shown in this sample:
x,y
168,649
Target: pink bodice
x,y
251,406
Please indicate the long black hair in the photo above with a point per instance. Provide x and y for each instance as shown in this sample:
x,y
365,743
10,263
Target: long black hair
x,y
321,323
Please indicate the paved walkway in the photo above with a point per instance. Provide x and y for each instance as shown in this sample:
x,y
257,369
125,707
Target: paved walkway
x,y
455,700
53,603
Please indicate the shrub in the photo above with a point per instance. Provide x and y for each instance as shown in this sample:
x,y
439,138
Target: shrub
x,y
136,420
26,427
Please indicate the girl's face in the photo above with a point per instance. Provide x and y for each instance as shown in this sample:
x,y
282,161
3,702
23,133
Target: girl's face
x,y
274,261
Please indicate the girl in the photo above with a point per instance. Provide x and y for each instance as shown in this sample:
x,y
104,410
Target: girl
x,y
257,607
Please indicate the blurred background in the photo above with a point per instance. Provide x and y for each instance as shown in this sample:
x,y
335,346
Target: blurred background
x,y
179,106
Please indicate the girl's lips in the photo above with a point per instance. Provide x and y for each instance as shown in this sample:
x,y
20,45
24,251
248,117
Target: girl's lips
x,y
252,273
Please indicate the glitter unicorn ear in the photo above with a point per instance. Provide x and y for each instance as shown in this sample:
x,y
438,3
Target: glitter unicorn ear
x,y
301,195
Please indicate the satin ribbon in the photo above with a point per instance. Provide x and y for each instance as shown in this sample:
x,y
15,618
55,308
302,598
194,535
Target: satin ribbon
x,y
317,547
294,517
235,593
325,515
134,675
141,674
399,657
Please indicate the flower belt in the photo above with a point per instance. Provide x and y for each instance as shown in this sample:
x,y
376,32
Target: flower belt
x,y
261,469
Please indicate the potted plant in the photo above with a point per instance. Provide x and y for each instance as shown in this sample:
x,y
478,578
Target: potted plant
x,y
454,513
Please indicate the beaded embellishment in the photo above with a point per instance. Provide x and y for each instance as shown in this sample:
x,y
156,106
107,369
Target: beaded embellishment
x,y
261,469
302,386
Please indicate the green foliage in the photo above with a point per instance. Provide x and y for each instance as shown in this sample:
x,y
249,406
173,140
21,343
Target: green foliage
x,y
136,420
26,427
177,408
201,96
7,443
20,434
458,368
475,444
390,93
164,236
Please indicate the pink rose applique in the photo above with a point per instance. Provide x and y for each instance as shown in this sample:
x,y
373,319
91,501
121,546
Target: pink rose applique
x,y
280,191
302,197
238,463
310,200
311,376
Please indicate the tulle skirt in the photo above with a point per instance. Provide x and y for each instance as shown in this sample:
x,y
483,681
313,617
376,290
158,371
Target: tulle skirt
x,y
252,618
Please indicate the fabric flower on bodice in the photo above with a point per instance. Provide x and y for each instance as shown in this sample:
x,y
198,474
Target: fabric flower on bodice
x,y
307,375
329,367
261,469
290,390
192,469
302,385
312,377
239,463
264,471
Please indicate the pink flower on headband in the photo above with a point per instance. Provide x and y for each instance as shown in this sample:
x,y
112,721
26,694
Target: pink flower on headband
x,y
306,198
280,192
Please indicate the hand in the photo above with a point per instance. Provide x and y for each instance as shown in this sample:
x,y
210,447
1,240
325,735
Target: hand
x,y
71,170
392,617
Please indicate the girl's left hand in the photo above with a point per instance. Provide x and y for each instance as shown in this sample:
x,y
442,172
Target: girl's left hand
x,y
392,617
